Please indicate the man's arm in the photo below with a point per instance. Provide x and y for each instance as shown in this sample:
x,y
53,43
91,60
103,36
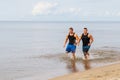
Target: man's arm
x,y
79,39
91,39
66,39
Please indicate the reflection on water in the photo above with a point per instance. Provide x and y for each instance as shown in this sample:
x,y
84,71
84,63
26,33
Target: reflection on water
x,y
71,66
86,64
98,57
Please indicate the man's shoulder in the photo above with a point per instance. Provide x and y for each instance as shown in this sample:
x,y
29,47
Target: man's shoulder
x,y
81,34
75,34
89,35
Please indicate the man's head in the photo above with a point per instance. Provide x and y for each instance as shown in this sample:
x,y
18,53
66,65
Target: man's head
x,y
85,30
70,30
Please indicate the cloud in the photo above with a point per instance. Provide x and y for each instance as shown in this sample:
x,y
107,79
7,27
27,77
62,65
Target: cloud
x,y
53,8
62,11
118,14
75,11
112,13
43,8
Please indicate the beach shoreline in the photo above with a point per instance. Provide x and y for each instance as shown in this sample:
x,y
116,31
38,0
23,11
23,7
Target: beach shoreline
x,y
109,72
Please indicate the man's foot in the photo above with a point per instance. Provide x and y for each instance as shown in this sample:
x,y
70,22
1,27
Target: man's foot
x,y
86,57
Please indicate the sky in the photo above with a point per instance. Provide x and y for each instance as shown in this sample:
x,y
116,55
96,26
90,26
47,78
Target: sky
x,y
59,10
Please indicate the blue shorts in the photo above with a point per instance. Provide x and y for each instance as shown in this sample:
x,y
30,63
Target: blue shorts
x,y
86,48
71,48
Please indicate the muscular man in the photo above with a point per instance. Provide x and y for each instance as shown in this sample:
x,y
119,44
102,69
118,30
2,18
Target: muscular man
x,y
87,40
72,40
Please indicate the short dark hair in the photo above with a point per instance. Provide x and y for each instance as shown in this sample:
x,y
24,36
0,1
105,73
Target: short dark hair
x,y
86,28
71,28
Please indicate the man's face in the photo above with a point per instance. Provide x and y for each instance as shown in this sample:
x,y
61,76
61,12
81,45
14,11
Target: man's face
x,y
70,31
85,31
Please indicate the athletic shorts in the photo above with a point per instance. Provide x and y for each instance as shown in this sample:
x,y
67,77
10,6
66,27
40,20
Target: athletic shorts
x,y
86,48
71,48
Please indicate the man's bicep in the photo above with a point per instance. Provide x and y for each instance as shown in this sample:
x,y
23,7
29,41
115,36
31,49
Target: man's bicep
x,y
77,37
66,38
91,37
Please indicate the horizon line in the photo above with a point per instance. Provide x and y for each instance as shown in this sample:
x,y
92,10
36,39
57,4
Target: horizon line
x,y
52,21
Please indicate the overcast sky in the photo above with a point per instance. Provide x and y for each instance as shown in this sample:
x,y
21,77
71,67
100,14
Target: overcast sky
x,y
60,10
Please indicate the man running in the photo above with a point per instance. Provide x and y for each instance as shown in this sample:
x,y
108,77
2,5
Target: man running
x,y
73,39
87,40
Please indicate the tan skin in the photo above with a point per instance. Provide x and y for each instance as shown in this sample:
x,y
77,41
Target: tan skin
x,y
85,31
66,40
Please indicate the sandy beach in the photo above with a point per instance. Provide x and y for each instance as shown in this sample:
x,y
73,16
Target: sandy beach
x,y
111,72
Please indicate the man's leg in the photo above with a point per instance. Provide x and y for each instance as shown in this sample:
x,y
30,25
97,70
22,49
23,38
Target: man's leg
x,y
85,51
88,50
74,57
68,50
66,54
85,55
73,49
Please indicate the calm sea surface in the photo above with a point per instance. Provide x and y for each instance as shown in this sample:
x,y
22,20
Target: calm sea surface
x,y
34,50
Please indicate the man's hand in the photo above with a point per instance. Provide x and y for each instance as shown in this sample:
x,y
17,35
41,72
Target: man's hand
x,y
89,44
91,40
64,45
78,43
65,41
79,39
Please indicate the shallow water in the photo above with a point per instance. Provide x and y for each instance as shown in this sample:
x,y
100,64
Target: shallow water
x,y
59,64
33,50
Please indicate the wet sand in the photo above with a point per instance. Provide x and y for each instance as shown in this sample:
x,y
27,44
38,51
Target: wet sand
x,y
111,72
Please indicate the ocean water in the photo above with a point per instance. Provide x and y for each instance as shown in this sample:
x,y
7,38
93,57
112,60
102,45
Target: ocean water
x,y
34,50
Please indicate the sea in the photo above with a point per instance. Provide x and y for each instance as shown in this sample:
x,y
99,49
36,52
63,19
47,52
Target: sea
x,y
33,50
